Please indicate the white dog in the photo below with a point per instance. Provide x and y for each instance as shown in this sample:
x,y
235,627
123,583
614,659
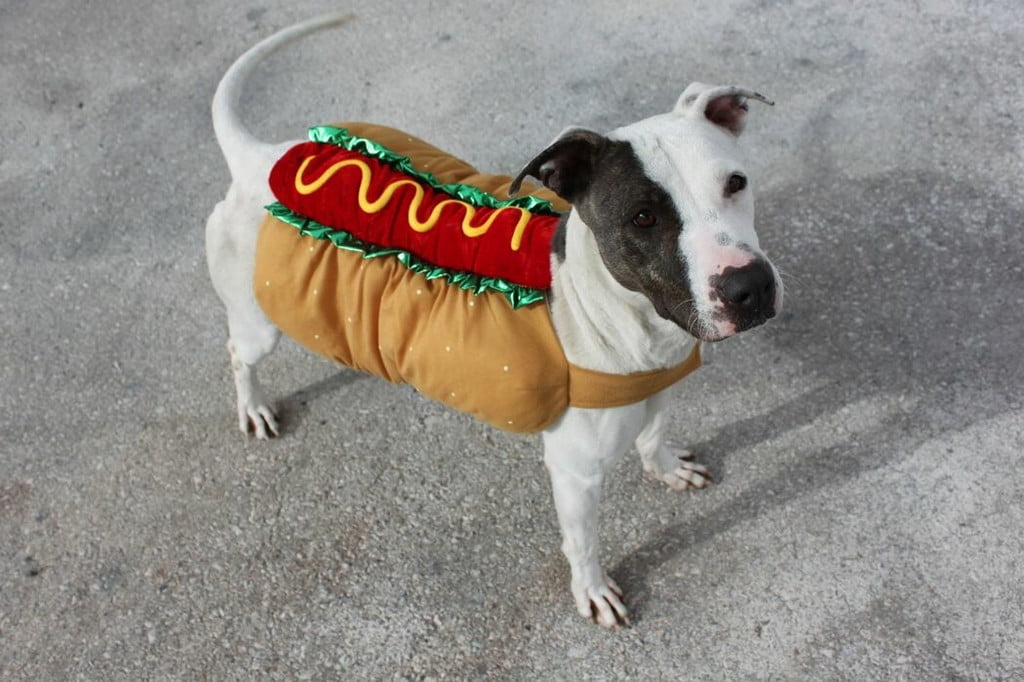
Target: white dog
x,y
657,254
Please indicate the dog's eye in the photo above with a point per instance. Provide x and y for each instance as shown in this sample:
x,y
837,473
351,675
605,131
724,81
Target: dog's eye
x,y
737,183
645,219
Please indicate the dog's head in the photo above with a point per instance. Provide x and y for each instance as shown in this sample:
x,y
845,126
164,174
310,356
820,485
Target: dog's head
x,y
670,203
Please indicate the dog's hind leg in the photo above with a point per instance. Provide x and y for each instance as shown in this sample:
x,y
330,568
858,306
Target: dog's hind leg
x,y
672,466
231,235
253,408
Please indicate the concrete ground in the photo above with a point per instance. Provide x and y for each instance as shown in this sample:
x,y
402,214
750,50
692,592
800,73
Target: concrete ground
x,y
866,522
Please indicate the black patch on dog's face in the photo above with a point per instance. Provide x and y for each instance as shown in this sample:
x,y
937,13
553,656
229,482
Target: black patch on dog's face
x,y
637,227
558,241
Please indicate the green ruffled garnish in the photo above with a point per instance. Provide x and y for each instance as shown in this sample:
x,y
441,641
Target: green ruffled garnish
x,y
340,137
516,294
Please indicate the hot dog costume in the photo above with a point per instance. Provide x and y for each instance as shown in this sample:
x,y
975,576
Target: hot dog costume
x,y
393,257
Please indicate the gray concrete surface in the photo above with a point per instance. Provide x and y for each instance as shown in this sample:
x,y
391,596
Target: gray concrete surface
x,y
867,518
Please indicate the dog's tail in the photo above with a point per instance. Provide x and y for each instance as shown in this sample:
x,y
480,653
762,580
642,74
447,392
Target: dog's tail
x,y
235,140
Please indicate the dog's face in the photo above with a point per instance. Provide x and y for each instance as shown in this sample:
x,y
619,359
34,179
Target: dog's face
x,y
670,204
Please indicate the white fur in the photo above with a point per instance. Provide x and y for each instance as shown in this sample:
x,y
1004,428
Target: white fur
x,y
601,325
692,159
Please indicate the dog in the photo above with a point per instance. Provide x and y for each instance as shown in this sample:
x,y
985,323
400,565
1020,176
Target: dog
x,y
657,254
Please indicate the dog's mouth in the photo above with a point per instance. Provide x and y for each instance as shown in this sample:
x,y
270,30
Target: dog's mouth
x,y
705,328
715,330
716,333
722,326
727,325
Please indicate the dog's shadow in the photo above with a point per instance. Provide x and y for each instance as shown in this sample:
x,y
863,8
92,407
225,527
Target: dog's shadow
x,y
904,285
293,409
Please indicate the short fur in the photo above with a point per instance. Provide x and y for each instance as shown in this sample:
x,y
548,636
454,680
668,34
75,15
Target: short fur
x,y
637,277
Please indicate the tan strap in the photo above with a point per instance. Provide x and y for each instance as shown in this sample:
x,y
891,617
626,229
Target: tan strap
x,y
590,389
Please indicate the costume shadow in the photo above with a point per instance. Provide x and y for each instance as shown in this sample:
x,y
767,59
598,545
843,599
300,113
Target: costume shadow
x,y
293,409
904,285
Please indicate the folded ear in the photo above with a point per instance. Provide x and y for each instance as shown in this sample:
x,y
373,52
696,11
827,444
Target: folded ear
x,y
723,105
567,165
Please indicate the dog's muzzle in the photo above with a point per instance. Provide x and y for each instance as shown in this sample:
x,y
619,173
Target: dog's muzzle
x,y
747,294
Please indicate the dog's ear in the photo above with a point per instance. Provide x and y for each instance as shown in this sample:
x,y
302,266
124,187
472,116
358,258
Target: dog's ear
x,y
723,105
567,165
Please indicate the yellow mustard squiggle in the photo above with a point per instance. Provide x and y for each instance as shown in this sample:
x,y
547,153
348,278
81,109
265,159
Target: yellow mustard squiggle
x,y
418,225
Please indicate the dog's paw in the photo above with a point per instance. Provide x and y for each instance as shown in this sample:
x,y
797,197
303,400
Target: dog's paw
x,y
682,472
257,418
601,603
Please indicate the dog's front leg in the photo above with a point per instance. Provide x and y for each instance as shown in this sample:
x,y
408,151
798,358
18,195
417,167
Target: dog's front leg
x,y
673,466
578,452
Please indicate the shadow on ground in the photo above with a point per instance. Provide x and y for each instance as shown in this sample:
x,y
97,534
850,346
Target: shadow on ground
x,y
921,311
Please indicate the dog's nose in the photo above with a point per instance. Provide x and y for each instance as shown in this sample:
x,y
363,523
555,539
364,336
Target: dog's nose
x,y
749,294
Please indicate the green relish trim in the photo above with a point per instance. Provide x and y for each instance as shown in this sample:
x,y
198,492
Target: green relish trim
x,y
340,137
516,294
